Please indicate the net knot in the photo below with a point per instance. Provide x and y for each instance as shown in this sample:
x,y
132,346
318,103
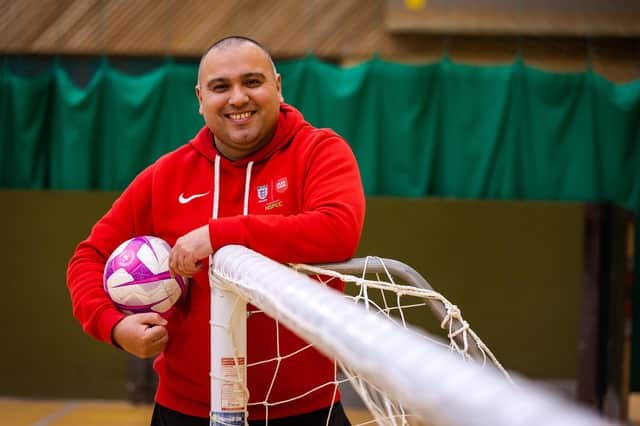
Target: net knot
x,y
453,312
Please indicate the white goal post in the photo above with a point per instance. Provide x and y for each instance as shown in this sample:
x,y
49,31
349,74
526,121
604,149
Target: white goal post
x,y
433,384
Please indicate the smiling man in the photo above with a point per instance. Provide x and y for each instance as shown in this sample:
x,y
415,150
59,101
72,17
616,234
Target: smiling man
x,y
239,94
275,184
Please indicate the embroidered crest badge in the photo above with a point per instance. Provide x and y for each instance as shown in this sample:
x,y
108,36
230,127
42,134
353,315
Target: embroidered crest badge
x,y
282,184
263,191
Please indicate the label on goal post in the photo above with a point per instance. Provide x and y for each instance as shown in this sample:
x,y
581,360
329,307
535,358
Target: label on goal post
x,y
228,354
231,392
229,419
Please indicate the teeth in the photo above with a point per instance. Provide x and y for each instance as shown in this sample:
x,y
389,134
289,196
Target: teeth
x,y
240,115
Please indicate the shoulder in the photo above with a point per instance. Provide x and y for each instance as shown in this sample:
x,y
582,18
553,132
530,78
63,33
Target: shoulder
x,y
314,138
174,160
320,149
177,155
200,146
161,169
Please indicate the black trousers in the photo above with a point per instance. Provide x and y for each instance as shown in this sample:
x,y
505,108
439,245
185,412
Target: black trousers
x,y
163,416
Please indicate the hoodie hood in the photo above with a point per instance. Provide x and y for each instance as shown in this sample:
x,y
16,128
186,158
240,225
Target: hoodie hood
x,y
289,123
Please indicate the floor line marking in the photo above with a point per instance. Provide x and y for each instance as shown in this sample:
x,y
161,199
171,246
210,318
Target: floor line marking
x,y
62,411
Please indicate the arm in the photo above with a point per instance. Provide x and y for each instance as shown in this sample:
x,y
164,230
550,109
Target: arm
x,y
329,225
91,307
327,228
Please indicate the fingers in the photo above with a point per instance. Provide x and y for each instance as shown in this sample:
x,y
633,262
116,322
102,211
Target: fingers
x,y
151,318
143,335
179,262
156,339
158,346
190,267
188,251
156,334
183,265
152,341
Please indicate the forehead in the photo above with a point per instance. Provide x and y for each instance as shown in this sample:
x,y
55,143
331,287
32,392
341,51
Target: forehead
x,y
235,60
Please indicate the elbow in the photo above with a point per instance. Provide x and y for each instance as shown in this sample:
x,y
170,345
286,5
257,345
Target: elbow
x,y
350,241
347,235
349,249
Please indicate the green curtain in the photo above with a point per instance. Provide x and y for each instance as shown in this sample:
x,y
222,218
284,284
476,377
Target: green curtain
x,y
502,132
443,129
55,135
447,129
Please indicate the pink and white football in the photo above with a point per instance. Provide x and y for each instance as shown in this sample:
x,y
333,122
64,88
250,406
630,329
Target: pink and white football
x,y
137,279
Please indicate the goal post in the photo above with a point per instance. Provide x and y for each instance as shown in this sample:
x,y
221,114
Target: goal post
x,y
229,394
432,384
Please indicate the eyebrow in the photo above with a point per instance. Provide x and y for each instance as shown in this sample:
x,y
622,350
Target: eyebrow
x,y
258,75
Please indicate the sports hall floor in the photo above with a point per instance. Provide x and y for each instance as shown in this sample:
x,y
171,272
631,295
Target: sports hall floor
x,y
22,412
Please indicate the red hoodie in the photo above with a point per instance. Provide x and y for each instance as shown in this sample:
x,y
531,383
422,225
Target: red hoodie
x,y
298,199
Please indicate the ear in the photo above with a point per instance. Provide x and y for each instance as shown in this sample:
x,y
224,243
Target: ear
x,y
199,96
279,86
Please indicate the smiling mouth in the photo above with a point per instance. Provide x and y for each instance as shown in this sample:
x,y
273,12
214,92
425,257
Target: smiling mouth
x,y
240,116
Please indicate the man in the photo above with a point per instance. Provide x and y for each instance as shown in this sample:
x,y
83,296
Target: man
x,y
275,184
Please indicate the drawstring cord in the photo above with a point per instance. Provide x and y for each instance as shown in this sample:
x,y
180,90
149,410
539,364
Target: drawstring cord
x,y
216,187
247,183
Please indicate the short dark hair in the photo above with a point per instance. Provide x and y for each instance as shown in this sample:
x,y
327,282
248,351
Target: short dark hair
x,y
235,40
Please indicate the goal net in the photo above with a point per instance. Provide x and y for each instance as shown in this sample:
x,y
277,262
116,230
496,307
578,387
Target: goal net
x,y
404,375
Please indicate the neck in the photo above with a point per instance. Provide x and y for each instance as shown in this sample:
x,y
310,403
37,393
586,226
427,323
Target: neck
x,y
238,153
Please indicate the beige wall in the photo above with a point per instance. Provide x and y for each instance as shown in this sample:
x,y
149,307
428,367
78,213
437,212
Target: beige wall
x,y
45,352
514,268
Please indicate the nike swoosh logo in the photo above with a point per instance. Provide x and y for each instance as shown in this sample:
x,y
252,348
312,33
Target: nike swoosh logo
x,y
184,200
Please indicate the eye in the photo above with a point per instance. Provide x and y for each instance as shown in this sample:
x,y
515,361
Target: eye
x,y
219,88
253,82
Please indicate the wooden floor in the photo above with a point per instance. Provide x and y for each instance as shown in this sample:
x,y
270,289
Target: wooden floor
x,y
22,412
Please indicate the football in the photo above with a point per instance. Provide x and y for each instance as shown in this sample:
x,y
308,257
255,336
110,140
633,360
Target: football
x,y
136,277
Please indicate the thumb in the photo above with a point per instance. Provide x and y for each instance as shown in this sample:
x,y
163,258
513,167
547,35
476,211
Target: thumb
x,y
152,318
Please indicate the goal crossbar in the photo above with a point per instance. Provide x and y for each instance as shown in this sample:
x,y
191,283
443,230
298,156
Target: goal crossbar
x,y
405,274
430,382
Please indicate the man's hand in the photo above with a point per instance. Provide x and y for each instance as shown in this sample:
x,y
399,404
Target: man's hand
x,y
188,251
143,335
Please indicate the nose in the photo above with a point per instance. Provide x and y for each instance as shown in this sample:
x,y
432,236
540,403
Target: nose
x,y
238,96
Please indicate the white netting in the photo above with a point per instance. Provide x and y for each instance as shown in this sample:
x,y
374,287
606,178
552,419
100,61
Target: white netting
x,y
376,289
394,300
402,375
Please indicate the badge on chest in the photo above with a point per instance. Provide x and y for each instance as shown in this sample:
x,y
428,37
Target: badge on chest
x,y
270,194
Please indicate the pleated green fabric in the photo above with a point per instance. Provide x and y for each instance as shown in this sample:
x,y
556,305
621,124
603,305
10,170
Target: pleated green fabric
x,y
55,135
499,132
503,132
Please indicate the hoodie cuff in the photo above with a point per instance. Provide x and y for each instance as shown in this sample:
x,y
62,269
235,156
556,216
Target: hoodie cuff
x,y
108,321
227,230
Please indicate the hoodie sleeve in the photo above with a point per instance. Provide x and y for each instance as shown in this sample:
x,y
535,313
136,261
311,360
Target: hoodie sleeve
x,y
124,220
330,221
